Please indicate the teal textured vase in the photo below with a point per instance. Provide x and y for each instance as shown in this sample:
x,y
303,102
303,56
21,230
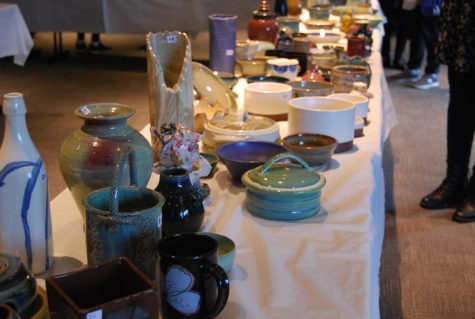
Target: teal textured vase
x,y
89,155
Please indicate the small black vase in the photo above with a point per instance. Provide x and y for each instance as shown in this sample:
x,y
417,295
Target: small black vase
x,y
183,210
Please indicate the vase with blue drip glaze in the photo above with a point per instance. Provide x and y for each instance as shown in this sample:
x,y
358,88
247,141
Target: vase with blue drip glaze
x,y
25,223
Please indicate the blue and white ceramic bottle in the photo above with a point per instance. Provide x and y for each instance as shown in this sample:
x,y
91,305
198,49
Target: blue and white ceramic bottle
x,y
25,224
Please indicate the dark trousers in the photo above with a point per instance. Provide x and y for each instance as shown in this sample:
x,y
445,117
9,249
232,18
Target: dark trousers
x,y
392,11
460,118
424,36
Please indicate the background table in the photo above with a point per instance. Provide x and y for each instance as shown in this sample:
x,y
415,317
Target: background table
x,y
15,39
128,16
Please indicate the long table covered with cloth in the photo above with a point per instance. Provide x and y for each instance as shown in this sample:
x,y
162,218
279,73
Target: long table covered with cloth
x,y
323,267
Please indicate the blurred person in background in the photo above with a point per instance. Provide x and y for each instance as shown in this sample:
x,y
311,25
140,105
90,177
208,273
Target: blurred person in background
x,y
95,46
420,20
457,50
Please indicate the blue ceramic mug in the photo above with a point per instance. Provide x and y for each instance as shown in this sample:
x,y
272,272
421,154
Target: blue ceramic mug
x,y
124,221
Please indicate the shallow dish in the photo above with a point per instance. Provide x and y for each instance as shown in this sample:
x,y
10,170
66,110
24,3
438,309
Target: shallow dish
x,y
267,78
324,36
226,250
209,85
306,88
229,129
315,149
283,191
319,24
227,78
239,157
371,19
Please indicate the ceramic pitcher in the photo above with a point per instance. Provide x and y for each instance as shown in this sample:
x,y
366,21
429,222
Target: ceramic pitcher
x,y
170,81
124,221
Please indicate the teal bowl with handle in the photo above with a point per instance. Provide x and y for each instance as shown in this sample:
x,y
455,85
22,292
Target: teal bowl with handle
x,y
283,191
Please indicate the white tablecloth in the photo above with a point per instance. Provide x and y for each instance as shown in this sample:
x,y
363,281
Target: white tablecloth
x,y
15,39
322,267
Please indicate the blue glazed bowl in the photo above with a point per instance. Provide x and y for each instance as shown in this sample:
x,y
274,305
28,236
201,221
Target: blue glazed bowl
x,y
239,157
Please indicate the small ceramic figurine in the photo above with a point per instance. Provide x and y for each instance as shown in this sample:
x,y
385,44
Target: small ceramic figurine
x,y
177,146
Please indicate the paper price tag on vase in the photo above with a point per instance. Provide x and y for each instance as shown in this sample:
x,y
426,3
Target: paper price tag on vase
x,y
171,38
95,314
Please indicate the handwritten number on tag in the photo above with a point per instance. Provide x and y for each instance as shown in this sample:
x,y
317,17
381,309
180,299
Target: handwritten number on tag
x,y
171,38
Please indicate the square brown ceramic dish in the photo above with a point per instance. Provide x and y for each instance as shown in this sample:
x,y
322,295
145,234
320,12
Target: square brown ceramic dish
x,y
116,289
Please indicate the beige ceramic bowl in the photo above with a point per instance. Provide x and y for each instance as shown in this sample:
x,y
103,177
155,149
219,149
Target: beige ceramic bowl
x,y
315,149
343,76
324,60
250,67
268,99
323,115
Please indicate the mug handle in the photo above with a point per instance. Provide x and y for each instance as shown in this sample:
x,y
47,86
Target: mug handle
x,y
124,155
222,281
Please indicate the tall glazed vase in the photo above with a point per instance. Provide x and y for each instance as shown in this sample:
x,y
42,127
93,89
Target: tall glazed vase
x,y
183,210
25,223
222,44
170,81
88,156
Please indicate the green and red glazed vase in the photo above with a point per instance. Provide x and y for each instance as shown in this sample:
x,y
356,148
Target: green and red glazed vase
x,y
88,157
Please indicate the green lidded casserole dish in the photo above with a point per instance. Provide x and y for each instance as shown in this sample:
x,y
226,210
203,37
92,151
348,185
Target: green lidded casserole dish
x,y
283,191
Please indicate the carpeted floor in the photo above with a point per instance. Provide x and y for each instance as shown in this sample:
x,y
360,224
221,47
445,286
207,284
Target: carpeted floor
x,y
427,268
428,261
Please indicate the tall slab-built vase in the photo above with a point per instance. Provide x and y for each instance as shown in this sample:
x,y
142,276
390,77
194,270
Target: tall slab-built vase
x,y
25,224
170,80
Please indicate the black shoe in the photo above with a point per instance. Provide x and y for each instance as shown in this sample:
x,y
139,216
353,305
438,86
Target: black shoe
x,y
97,47
398,65
81,47
448,195
465,213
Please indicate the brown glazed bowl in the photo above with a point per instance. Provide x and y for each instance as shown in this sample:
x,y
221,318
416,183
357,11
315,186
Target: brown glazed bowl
x,y
315,149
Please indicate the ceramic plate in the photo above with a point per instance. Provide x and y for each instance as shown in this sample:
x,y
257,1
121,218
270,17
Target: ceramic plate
x,y
319,24
372,19
209,85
